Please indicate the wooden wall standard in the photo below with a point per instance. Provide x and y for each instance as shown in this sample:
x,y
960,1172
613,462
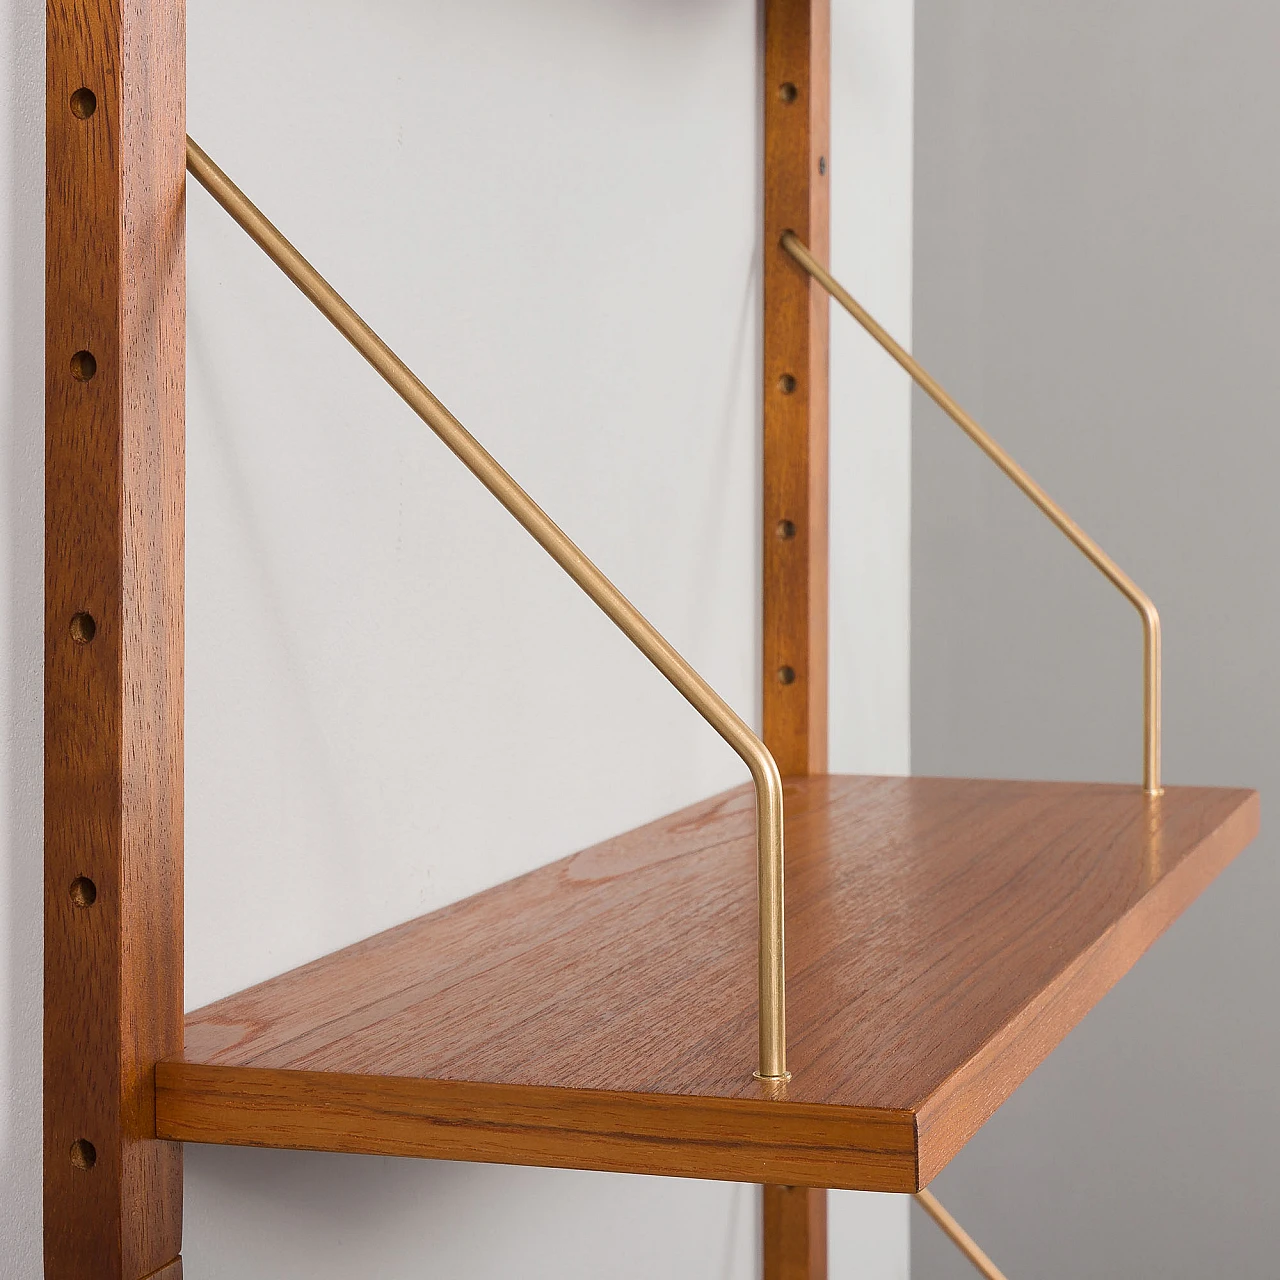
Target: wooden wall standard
x,y
795,1233
113,633
796,197
796,136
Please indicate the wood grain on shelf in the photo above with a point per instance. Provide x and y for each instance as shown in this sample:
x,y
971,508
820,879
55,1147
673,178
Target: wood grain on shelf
x,y
113,686
796,198
943,935
675,1135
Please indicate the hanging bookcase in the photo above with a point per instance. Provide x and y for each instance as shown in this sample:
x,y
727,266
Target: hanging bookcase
x,y
631,1007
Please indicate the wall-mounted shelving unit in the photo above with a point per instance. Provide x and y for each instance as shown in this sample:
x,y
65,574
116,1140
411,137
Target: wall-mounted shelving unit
x,y
630,1007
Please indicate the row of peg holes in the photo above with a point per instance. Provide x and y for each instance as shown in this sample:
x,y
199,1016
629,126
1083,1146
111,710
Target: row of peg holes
x,y
83,891
84,102
787,531
787,385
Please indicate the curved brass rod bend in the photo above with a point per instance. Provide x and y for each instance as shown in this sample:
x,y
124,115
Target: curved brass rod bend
x,y
1081,540
629,620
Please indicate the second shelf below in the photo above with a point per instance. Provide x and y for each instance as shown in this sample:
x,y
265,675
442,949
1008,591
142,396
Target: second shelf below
x,y
943,935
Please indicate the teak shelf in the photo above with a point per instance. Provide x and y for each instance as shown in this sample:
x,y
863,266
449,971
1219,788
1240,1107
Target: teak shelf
x,y
945,934
606,1011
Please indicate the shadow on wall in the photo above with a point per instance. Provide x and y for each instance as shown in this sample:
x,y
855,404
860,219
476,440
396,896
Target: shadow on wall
x,y
21,631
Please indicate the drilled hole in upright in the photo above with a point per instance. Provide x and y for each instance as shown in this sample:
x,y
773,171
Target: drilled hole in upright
x,y
84,893
84,1155
83,366
83,627
84,102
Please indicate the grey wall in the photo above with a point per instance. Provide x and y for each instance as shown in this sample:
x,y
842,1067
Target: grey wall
x,y
1098,278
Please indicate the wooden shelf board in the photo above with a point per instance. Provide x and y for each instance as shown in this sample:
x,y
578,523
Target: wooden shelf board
x,y
943,935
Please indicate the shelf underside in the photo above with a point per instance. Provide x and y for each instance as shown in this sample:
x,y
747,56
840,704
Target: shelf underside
x,y
943,935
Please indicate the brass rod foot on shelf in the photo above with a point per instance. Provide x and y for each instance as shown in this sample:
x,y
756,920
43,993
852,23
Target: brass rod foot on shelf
x,y
958,1235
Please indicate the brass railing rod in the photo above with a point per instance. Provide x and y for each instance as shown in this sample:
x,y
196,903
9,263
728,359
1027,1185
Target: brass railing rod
x,y
958,1235
1091,550
628,619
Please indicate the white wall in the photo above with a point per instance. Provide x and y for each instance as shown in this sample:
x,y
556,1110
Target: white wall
x,y
393,698
21,628
872,130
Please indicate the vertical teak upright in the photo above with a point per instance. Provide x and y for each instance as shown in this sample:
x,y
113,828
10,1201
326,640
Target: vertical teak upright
x,y
796,136
114,368
797,111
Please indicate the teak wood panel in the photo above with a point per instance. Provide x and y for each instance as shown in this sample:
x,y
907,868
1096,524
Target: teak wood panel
x,y
797,108
794,1225
673,1135
943,935
795,502
113,633
796,198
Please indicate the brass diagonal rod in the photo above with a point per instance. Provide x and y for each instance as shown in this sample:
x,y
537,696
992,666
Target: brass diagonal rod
x,y
1091,550
628,619
958,1235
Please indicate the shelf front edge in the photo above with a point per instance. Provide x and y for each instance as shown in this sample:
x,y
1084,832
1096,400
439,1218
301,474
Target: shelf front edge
x,y
726,1139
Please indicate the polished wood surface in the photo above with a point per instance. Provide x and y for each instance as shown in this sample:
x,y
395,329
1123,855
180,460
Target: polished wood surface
x,y
796,195
797,109
943,935
674,1135
113,633
794,1229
